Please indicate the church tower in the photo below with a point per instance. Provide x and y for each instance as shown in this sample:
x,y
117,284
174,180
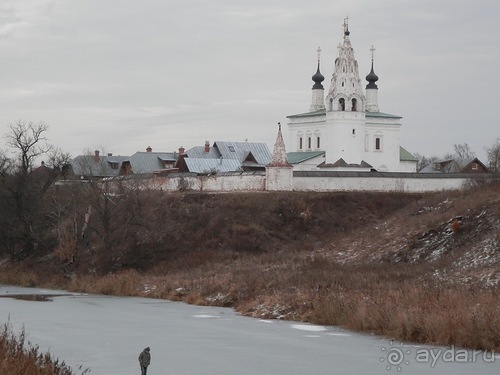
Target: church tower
x,y
318,91
345,106
346,131
372,89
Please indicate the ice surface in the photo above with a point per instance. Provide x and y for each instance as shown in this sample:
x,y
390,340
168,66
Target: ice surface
x,y
106,334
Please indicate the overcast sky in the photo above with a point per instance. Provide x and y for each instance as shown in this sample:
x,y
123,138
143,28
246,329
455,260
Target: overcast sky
x,y
121,75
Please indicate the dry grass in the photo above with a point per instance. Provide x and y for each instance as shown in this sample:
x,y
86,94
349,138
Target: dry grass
x,y
18,357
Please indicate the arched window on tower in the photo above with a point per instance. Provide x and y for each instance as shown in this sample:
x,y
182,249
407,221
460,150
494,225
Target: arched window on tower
x,y
354,103
378,144
330,104
342,104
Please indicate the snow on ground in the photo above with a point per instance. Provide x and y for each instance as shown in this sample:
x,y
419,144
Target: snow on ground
x,y
106,334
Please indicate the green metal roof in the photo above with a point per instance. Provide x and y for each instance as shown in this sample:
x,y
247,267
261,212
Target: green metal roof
x,y
381,115
308,114
299,157
322,112
405,155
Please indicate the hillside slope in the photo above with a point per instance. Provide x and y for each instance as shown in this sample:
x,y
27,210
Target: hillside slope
x,y
422,268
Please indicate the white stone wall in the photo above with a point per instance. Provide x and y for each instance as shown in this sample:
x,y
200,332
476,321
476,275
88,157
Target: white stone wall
x,y
214,183
280,179
402,184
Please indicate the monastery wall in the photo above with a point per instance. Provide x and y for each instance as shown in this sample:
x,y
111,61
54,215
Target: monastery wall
x,y
317,181
224,182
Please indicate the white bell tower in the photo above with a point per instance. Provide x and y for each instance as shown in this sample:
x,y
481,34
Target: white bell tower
x,y
345,106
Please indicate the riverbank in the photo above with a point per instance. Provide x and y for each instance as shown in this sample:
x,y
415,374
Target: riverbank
x,y
414,268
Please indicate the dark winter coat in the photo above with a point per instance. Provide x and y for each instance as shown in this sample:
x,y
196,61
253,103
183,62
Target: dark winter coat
x,y
145,358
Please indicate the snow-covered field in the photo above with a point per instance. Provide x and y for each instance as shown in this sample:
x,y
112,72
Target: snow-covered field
x,y
106,335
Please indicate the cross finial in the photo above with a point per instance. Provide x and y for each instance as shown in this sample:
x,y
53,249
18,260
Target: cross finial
x,y
279,126
346,23
372,50
319,53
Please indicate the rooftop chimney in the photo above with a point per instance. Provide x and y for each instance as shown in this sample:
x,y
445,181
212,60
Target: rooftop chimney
x,y
96,156
149,149
207,146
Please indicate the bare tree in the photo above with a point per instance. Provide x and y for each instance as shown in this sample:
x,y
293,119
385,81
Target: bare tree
x,y
493,154
28,139
463,151
23,221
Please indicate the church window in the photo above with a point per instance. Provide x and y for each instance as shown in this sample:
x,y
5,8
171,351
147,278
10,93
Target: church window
x,y
378,145
342,84
342,104
318,144
353,131
300,143
309,142
354,103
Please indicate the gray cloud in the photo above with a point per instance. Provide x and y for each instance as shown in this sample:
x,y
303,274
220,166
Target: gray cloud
x,y
124,75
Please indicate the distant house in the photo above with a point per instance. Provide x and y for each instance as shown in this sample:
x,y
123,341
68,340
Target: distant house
x,y
97,165
100,166
457,165
225,157
150,162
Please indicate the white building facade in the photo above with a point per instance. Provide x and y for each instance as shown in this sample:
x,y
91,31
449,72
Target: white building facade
x,y
347,125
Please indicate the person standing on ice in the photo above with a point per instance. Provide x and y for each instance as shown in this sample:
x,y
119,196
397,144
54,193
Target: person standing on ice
x,y
144,360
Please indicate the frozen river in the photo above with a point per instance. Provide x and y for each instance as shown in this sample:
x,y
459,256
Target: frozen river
x,y
106,335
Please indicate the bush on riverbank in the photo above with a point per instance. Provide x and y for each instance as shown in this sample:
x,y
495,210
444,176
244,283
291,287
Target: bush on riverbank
x,y
18,357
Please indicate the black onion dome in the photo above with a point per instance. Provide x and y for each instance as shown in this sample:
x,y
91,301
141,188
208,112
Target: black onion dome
x,y
318,78
371,78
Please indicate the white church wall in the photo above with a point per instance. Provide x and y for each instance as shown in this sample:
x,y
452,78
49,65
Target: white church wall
x,y
304,127
386,158
345,137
